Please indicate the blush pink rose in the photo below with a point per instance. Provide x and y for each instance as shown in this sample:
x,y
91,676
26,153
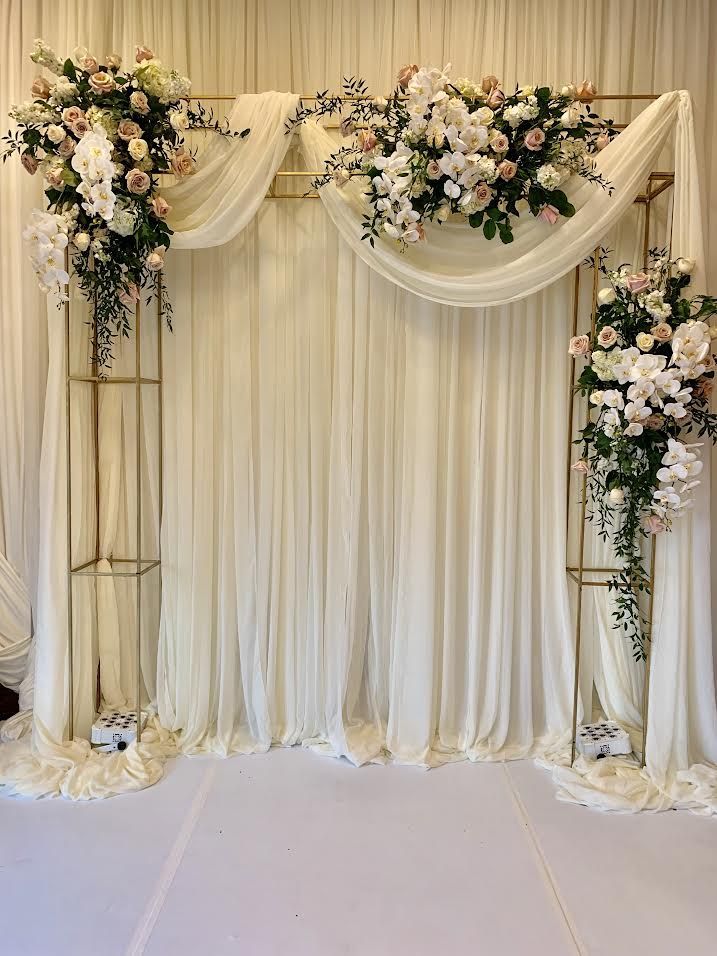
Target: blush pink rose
x,y
102,82
607,336
53,177
128,129
507,170
71,115
160,207
138,182
80,127
602,141
142,53
586,91
653,524
366,140
182,163
129,296
637,282
496,98
88,63
66,147
703,389
579,345
581,466
483,194
534,139
138,101
406,74
549,214
499,143
662,332
654,421
30,163
489,82
40,88
433,170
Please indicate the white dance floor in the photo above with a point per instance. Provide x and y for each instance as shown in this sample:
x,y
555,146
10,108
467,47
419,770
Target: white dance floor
x,y
294,854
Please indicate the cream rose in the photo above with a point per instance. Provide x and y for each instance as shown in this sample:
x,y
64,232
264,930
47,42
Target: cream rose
x,y
507,169
579,345
617,496
114,61
102,82
137,181
607,336
182,163
606,296
179,120
55,134
138,101
128,129
602,140
160,207
155,260
82,241
644,341
534,139
433,170
137,148
685,266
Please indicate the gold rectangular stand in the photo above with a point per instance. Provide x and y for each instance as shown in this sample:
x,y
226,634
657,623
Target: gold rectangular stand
x,y
582,575
122,567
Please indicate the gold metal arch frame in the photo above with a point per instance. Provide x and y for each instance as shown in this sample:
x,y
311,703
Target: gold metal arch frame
x,y
135,567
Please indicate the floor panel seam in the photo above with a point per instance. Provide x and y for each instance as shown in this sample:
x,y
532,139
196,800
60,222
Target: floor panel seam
x,y
174,859
545,866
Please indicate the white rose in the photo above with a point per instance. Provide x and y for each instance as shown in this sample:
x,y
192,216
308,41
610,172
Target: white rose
x,y
179,121
645,341
606,296
55,134
685,266
137,148
443,213
617,496
82,241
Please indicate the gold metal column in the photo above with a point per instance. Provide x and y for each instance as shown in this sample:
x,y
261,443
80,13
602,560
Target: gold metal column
x,y
587,575
138,565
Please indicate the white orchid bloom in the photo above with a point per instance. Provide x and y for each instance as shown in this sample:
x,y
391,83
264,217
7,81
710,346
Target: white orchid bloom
x,y
643,389
613,398
451,189
452,164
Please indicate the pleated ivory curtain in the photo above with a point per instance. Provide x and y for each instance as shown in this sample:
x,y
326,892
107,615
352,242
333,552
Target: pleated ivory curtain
x,y
302,46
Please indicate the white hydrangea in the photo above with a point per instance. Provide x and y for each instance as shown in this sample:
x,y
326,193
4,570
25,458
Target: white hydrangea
x,y
485,169
105,119
124,219
158,80
572,154
603,364
520,113
64,91
549,177
654,303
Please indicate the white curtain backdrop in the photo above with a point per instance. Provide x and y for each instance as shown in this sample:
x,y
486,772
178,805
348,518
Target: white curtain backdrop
x,y
347,567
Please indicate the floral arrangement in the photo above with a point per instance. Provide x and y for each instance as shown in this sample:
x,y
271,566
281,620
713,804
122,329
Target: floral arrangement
x,y
100,138
437,148
649,376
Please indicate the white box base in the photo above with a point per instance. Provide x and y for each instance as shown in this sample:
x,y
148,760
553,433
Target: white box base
x,y
603,739
115,730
